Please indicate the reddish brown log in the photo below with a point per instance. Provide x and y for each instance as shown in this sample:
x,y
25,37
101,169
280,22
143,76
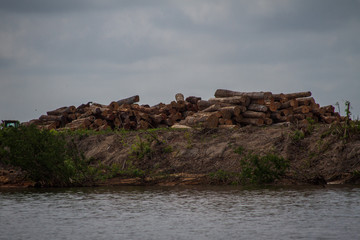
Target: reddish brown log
x,y
253,121
179,97
288,104
129,100
280,97
113,106
223,93
328,109
253,114
202,119
268,121
238,100
307,101
193,99
257,108
297,95
62,111
302,109
203,104
82,123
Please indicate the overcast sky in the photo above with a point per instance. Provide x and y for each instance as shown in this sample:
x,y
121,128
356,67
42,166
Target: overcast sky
x,y
69,52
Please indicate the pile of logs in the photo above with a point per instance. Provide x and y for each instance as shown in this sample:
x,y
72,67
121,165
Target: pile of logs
x,y
231,108
122,114
227,109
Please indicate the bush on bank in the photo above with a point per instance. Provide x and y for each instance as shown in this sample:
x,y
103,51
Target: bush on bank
x,y
45,156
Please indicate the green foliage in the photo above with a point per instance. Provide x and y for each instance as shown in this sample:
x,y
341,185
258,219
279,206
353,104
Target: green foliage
x,y
239,150
45,155
141,149
257,169
225,177
297,136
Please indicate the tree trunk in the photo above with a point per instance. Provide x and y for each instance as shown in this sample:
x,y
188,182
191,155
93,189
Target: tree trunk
x,y
253,114
297,95
257,108
62,111
253,121
204,119
238,100
223,93
129,100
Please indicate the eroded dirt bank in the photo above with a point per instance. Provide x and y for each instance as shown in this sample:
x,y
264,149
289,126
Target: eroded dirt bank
x,y
173,157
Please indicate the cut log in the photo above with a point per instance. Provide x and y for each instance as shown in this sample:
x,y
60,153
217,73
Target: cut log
x,y
238,100
114,106
52,118
62,111
253,114
203,104
288,104
257,108
201,119
253,121
302,109
193,99
268,121
273,106
280,97
223,93
328,109
297,95
179,97
82,123
129,100
307,101
233,110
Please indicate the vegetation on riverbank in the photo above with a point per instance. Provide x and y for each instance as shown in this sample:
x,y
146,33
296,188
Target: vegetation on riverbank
x,y
316,154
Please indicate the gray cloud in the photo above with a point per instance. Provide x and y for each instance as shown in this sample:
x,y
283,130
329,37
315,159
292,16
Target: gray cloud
x,y
57,53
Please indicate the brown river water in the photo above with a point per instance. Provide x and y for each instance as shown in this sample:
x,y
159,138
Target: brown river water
x,y
196,212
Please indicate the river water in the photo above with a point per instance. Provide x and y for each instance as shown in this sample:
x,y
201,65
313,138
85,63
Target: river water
x,y
181,213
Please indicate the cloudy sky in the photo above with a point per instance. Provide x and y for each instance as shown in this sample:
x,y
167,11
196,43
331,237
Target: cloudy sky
x,y
69,52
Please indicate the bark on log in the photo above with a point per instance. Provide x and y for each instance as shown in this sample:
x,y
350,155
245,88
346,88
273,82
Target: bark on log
x,y
253,121
257,108
238,100
179,97
253,114
193,99
280,97
129,100
82,123
268,121
114,106
302,109
297,95
307,101
204,119
223,93
62,111
288,104
328,109
234,110
203,104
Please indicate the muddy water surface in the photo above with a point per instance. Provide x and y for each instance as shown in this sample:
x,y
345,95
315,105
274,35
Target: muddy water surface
x,y
181,213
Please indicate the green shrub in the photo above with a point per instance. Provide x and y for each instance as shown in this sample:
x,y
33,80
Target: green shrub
x,y
297,136
257,169
44,155
239,150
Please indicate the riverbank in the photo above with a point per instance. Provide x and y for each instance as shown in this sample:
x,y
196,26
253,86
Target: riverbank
x,y
317,155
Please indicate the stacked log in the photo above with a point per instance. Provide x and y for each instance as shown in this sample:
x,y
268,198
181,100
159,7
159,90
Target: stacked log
x,y
227,109
264,108
122,114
